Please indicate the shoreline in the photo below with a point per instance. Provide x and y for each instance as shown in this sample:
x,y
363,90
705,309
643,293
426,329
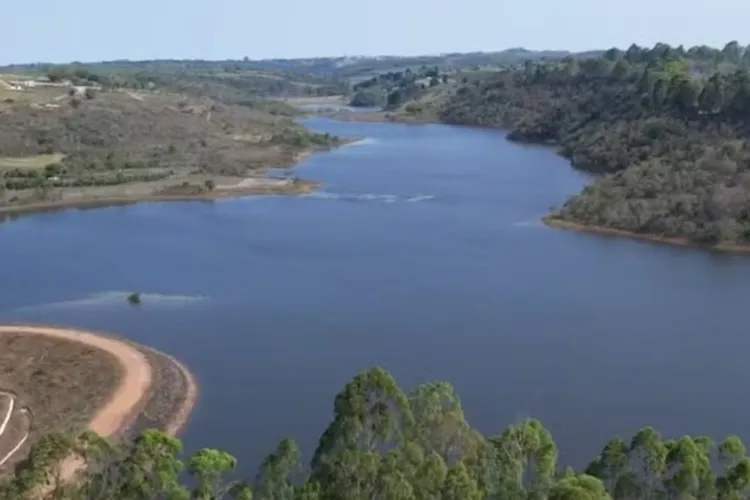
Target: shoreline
x,y
137,377
555,222
8,211
248,186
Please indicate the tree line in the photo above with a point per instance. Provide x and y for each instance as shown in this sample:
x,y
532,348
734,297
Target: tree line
x,y
667,126
385,443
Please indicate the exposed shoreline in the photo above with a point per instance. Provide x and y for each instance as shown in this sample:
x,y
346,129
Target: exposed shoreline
x,y
554,221
100,202
136,389
247,186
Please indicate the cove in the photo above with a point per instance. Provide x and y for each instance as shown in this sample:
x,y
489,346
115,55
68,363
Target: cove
x,y
422,253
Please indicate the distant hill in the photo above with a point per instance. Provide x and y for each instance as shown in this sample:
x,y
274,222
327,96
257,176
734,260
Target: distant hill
x,y
287,77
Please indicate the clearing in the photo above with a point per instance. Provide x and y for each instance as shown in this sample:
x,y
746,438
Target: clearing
x,y
29,162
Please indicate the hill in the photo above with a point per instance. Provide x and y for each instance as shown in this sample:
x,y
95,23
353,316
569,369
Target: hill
x,y
666,127
63,144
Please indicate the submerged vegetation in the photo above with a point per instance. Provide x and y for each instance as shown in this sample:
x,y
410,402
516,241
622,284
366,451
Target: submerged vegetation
x,y
384,443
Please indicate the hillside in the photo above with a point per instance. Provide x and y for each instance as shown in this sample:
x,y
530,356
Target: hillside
x,y
61,144
667,126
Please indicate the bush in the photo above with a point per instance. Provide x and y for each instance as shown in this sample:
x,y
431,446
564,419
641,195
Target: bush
x,y
134,299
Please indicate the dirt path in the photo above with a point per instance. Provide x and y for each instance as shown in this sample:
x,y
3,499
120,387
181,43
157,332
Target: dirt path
x,y
134,382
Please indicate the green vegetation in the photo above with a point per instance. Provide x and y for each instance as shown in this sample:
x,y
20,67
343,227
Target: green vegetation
x,y
222,80
148,141
134,298
384,443
390,90
668,127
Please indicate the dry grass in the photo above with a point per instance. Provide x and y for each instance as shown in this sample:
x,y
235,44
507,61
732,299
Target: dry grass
x,y
37,96
62,382
118,146
29,162
18,427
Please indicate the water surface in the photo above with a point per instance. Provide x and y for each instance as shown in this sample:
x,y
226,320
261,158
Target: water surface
x,y
423,253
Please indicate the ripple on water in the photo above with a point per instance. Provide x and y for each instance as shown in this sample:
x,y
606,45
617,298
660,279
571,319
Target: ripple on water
x,y
362,197
115,298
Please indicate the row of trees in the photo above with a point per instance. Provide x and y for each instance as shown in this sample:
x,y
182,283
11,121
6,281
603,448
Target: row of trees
x,y
384,443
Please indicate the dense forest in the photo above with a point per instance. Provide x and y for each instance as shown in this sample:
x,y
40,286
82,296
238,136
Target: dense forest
x,y
668,127
384,443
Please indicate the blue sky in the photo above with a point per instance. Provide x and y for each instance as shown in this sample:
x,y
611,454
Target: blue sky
x,y
90,30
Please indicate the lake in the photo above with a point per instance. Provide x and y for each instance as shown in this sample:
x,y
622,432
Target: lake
x,y
423,253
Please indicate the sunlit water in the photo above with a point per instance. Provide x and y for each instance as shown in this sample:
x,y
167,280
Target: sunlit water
x,y
422,253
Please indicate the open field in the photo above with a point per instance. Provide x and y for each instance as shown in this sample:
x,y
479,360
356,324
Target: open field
x,y
29,162
64,380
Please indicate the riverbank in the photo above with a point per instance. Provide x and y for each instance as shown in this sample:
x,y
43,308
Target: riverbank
x,y
190,188
89,199
555,222
378,117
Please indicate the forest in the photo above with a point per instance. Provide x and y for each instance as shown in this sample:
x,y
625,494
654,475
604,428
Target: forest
x,y
385,443
666,127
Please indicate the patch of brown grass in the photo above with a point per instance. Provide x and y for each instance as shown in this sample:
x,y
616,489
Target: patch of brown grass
x,y
62,382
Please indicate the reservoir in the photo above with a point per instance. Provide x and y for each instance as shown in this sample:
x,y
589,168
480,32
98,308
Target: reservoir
x,y
422,253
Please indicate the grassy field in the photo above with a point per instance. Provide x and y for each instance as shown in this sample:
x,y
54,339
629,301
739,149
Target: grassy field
x,y
62,382
29,162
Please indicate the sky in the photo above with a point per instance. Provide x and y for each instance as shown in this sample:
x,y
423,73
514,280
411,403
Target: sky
x,y
94,30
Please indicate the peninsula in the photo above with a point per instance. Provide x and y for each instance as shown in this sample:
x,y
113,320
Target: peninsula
x,y
60,380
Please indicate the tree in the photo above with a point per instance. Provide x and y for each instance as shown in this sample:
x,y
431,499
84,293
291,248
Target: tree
x,y
732,51
279,473
459,485
208,467
579,487
527,456
384,445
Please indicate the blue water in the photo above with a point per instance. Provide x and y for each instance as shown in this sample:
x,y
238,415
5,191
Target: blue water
x,y
422,253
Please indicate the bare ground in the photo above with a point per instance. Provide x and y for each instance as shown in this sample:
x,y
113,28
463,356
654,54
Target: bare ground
x,y
72,379
67,379
18,428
